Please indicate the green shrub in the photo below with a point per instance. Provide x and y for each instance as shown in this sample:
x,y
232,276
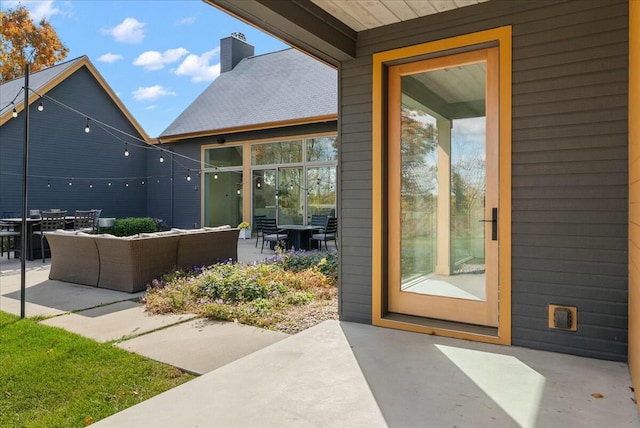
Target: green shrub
x,y
297,261
257,294
134,225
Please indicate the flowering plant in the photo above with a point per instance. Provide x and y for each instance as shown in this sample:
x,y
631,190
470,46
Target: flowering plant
x,y
244,225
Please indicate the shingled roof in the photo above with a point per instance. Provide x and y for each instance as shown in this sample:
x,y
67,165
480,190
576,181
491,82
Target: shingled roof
x,y
270,90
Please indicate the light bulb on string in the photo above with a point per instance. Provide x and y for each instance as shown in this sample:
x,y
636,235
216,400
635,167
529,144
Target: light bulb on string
x,y
142,182
48,184
86,128
126,149
238,191
188,176
40,106
215,175
109,184
161,158
126,184
14,113
90,185
70,181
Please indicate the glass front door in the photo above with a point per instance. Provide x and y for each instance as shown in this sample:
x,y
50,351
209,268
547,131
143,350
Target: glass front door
x,y
443,188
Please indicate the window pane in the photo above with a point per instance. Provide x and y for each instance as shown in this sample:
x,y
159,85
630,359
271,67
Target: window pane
x,y
276,153
322,149
264,193
222,198
223,157
321,183
290,196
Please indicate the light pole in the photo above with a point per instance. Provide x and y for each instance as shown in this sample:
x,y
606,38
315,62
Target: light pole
x,y
25,166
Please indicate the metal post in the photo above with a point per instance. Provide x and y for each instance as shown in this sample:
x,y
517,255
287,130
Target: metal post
x,y
25,164
171,199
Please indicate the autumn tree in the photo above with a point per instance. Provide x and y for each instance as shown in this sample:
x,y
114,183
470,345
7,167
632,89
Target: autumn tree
x,y
23,40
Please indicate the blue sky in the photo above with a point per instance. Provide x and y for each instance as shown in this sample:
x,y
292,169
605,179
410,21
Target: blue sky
x,y
157,55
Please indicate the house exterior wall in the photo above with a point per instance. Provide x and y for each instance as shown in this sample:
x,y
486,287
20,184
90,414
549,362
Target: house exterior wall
x,y
634,193
60,150
187,195
569,167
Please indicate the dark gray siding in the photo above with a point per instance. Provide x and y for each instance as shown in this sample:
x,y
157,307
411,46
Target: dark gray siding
x,y
569,165
60,150
186,194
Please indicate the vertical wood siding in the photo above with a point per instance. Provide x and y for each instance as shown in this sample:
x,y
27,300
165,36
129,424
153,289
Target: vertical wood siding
x,y
570,157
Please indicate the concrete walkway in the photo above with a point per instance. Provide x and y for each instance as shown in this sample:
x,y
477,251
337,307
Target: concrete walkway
x,y
337,374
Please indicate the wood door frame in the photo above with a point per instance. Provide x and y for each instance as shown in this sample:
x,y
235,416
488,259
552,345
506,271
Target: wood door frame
x,y
380,317
480,312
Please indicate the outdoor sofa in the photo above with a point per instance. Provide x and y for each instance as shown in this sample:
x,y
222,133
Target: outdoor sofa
x,y
130,263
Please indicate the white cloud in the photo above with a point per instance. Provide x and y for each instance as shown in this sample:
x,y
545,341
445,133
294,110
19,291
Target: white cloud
x,y
37,9
128,31
187,21
198,67
151,107
110,58
151,93
154,60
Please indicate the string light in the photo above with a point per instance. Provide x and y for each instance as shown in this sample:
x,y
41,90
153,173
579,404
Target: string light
x,y
70,181
90,185
142,182
86,128
215,175
126,149
40,106
109,184
48,184
161,158
188,176
15,112
126,184
238,191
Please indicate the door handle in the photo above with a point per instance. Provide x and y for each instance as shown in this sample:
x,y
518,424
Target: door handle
x,y
494,223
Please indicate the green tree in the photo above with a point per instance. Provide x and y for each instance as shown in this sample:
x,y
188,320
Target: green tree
x,y
23,40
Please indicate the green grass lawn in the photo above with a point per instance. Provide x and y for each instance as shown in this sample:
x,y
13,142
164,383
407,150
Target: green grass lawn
x,y
52,378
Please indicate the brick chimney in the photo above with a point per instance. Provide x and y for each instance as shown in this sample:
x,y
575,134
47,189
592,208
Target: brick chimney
x,y
233,49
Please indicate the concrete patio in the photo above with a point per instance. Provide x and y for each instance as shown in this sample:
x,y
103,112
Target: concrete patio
x,y
334,374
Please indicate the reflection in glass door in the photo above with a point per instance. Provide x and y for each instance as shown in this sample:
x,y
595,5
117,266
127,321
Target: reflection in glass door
x,y
443,188
223,198
264,193
290,196
321,191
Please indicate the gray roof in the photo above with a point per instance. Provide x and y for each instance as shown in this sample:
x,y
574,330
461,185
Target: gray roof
x,y
276,87
37,80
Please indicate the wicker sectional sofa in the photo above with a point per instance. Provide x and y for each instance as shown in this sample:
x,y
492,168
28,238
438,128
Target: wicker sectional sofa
x,y
130,263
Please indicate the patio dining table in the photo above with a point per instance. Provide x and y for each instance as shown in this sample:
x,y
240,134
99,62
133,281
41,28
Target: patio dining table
x,y
298,236
32,223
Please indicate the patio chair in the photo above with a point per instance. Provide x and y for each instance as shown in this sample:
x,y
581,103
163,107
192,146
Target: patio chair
x,y
330,233
95,219
49,221
319,222
8,234
84,221
257,223
271,233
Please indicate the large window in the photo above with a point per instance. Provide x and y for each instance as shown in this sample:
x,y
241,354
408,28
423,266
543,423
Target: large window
x,y
295,179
